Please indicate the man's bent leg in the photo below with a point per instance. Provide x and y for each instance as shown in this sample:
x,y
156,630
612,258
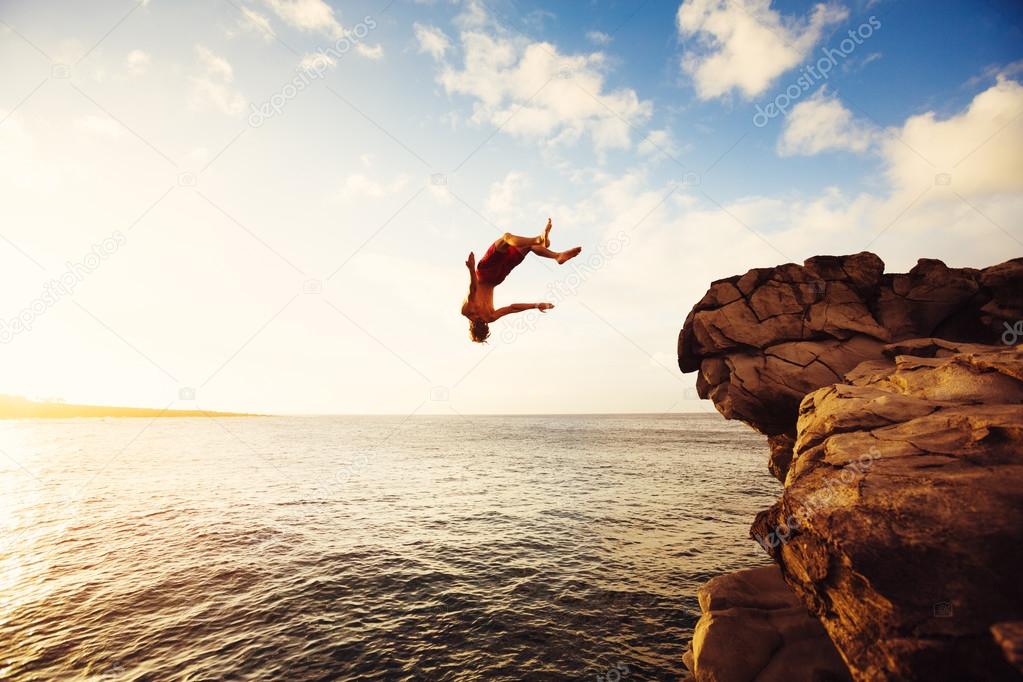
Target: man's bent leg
x,y
521,242
560,256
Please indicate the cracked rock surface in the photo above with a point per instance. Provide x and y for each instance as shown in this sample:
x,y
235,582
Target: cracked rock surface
x,y
893,406
901,522
763,340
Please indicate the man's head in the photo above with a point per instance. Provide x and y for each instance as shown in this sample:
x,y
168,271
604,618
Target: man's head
x,y
479,331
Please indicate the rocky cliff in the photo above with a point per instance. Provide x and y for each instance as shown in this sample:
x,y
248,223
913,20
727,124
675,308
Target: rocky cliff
x,y
763,340
893,405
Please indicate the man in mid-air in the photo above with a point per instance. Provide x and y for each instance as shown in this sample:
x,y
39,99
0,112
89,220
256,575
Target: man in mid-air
x,y
499,260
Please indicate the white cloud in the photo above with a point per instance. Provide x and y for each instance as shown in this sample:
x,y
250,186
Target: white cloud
x,y
432,40
451,120
658,141
506,195
532,91
822,123
253,21
996,71
314,16
137,62
440,194
316,61
374,52
473,16
982,145
745,45
976,152
599,38
759,231
212,88
980,149
537,18
853,64
215,65
359,186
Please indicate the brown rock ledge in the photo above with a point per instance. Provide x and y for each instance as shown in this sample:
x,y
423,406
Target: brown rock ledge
x,y
763,340
901,523
894,411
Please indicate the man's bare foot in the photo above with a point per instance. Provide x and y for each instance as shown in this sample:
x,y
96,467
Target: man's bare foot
x,y
568,255
547,234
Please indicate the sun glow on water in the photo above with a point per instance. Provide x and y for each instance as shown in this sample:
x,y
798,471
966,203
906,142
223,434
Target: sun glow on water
x,y
308,547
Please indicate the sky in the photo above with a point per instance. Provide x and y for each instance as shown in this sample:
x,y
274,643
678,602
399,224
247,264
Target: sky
x,y
265,205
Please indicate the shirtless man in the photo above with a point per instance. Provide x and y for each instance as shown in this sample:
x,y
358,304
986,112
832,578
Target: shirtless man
x,y
499,260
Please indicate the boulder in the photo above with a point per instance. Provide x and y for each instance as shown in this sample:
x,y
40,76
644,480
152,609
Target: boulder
x,y
753,627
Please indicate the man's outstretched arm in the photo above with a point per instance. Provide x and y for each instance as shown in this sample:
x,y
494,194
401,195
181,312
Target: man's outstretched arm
x,y
470,263
521,307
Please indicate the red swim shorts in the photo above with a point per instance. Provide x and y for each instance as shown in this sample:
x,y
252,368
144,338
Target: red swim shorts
x,y
495,265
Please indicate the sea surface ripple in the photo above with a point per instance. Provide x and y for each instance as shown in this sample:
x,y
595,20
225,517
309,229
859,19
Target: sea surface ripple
x,y
368,548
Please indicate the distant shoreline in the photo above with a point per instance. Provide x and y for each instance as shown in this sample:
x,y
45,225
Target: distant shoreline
x,y
16,407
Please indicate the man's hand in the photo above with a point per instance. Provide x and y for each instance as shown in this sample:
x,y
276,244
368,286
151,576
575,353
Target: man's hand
x,y
520,308
470,263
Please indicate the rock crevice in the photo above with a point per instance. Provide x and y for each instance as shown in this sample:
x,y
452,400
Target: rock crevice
x,y
893,408
763,340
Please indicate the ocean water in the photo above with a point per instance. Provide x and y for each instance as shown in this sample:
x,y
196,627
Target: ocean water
x,y
369,548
